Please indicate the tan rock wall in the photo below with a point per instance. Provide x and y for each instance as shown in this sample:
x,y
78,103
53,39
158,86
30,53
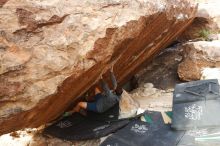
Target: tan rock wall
x,y
197,56
53,51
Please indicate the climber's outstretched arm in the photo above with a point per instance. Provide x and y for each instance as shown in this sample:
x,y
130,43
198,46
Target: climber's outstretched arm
x,y
113,79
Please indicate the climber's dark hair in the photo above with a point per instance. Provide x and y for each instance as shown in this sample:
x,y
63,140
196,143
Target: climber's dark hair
x,y
119,91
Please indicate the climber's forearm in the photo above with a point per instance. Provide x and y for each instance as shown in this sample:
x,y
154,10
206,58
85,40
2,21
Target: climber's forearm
x,y
114,81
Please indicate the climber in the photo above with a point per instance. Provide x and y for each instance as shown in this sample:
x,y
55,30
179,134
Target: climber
x,y
102,100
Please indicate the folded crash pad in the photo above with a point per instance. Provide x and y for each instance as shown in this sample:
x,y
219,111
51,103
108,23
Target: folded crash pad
x,y
196,90
196,114
139,133
94,125
196,104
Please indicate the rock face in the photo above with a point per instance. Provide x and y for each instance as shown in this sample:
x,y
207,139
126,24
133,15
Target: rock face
x,y
54,51
202,57
128,106
210,11
206,25
198,56
163,74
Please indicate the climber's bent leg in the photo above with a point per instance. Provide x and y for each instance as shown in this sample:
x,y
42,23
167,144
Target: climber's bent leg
x,y
79,106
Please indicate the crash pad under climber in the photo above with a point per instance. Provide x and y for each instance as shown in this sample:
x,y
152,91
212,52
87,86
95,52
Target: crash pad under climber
x,y
192,104
139,133
94,125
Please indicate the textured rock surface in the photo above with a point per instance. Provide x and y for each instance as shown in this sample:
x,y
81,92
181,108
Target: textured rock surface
x,y
33,137
128,106
211,73
163,74
207,21
151,98
156,81
210,10
53,51
198,56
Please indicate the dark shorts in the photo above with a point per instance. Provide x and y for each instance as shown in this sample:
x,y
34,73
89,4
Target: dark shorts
x,y
92,106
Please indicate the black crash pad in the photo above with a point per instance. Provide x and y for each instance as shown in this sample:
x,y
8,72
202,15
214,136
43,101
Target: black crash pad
x,y
196,104
138,133
94,125
156,133
196,91
196,114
